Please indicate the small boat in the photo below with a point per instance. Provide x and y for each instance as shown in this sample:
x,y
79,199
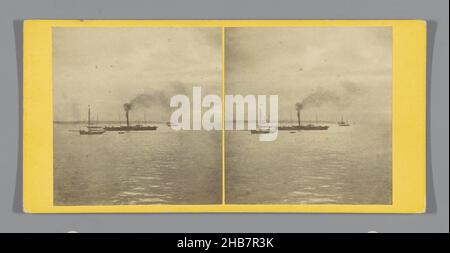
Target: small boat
x,y
171,124
91,130
260,131
121,132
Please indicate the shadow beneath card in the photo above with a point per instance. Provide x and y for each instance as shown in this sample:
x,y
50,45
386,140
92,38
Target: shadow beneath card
x,y
431,195
18,191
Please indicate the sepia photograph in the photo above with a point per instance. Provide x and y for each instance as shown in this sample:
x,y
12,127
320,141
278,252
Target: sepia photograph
x,y
333,137
113,141
138,115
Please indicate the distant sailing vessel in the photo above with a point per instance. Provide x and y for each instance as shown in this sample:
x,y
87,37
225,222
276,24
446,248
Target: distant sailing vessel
x,y
342,122
262,128
91,130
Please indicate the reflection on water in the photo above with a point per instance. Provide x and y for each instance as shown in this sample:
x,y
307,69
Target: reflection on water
x,y
343,165
148,167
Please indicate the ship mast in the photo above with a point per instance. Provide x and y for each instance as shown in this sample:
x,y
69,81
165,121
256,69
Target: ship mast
x,y
260,116
126,115
89,115
290,116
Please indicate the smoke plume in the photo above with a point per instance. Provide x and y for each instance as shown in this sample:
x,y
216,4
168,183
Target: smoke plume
x,y
298,106
156,98
127,107
337,98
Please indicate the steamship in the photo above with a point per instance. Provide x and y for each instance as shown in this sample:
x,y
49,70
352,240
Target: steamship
x,y
90,129
131,128
128,127
302,127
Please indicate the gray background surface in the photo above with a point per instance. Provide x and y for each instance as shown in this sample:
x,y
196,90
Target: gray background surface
x,y
13,12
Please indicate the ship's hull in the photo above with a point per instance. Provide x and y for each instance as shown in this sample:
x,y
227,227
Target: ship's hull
x,y
295,128
131,128
82,132
259,131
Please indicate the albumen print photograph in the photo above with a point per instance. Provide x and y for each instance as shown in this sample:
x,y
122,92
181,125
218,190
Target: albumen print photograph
x,y
333,143
112,135
138,115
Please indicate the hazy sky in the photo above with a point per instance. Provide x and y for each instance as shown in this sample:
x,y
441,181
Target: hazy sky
x,y
352,65
107,67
